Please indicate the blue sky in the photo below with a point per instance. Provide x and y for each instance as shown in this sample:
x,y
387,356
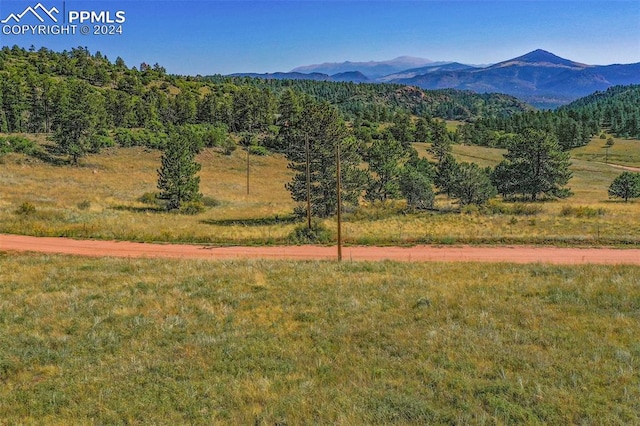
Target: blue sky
x,y
208,37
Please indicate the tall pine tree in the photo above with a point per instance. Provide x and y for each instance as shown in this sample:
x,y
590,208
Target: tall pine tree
x,y
177,180
322,126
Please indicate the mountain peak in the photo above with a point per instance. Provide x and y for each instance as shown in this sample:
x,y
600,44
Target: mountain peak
x,y
542,58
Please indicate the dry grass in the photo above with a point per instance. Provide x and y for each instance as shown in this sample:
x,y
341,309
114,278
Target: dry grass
x,y
113,181
111,341
99,200
624,151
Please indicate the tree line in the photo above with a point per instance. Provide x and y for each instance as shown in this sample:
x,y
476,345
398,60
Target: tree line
x,y
616,110
85,102
34,84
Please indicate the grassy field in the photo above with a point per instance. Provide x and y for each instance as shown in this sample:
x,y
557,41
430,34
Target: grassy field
x,y
107,341
624,151
99,200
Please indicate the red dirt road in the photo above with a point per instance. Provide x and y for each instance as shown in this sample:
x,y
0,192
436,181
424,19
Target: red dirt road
x,y
513,254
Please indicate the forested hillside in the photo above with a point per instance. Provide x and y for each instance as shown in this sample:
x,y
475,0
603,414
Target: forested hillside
x,y
378,102
38,87
616,110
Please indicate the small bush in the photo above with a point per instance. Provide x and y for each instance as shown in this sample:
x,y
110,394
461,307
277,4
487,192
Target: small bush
x,y
258,150
150,198
228,147
26,209
515,209
210,202
140,137
318,234
470,209
582,211
17,144
7,368
377,210
84,205
520,209
192,208
101,141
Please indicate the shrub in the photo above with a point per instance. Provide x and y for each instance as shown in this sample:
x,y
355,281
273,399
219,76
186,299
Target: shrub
x,y
258,150
470,209
378,210
318,234
210,202
99,142
192,208
17,144
26,209
582,211
84,205
516,209
228,147
150,198
140,137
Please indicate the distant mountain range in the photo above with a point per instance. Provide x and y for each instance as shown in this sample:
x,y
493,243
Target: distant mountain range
x,y
539,77
371,69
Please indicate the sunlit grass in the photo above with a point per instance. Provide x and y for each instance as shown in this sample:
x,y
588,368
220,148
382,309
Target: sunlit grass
x,y
624,151
110,341
100,199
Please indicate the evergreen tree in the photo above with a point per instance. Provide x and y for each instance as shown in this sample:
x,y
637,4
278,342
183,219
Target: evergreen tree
x,y
384,158
14,102
81,116
290,109
625,186
416,186
423,131
446,171
402,129
322,127
507,181
177,180
446,165
472,185
534,164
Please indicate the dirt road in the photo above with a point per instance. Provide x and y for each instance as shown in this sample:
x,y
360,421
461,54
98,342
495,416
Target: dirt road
x,y
514,254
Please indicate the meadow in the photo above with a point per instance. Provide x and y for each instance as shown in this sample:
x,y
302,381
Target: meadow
x,y
101,199
113,341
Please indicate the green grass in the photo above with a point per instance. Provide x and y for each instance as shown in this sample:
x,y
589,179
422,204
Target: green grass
x,y
113,341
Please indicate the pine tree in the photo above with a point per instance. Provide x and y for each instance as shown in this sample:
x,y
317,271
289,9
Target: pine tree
x,y
416,185
177,178
322,126
625,186
535,164
81,116
472,185
384,158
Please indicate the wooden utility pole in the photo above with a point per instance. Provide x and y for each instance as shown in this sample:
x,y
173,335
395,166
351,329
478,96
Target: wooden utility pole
x,y
339,187
247,169
306,145
248,147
